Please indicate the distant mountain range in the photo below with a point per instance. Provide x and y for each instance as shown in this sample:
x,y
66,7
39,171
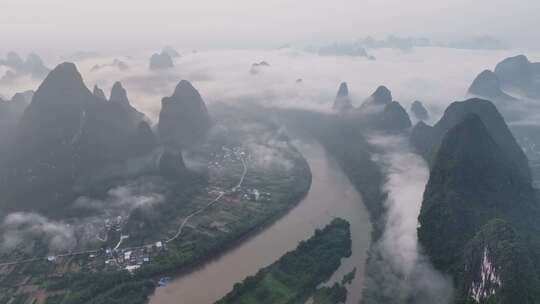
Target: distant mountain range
x,y
161,61
515,74
33,65
419,111
342,103
362,46
377,112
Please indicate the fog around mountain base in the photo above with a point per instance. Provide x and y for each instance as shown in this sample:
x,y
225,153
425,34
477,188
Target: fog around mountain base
x,y
398,269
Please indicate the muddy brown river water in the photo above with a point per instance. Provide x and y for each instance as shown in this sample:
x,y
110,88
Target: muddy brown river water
x,y
331,195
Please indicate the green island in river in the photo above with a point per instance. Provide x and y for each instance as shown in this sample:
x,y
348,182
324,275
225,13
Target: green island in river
x,y
294,278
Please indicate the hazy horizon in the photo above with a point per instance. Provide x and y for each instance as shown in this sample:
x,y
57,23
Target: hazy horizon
x,y
127,25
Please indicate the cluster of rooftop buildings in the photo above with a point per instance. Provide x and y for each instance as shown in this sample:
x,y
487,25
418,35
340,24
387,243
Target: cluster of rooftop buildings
x,y
133,258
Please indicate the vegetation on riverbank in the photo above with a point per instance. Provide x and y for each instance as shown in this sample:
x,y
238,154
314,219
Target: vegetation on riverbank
x,y
330,295
268,190
296,275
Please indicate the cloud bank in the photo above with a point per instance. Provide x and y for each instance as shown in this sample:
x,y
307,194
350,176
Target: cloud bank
x,y
435,76
397,269
21,228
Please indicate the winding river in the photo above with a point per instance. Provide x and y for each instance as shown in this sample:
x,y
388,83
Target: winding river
x,y
331,195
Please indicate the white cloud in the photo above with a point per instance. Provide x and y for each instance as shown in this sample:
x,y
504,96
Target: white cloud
x,y
21,227
402,270
435,76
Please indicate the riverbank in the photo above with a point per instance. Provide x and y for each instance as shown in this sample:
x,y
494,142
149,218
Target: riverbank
x,y
331,195
296,275
245,191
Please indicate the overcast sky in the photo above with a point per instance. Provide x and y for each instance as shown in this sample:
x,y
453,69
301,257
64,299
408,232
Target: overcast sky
x,y
121,24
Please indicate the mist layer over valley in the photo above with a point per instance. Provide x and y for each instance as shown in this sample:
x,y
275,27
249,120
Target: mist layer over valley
x,y
131,172
435,76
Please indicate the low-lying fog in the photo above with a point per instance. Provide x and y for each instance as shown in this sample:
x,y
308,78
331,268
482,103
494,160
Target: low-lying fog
x,y
294,78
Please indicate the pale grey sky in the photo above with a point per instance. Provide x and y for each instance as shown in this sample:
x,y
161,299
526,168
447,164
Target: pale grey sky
x,y
125,24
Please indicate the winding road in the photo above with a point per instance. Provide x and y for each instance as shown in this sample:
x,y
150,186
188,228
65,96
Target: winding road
x,y
221,194
331,195
191,215
122,237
